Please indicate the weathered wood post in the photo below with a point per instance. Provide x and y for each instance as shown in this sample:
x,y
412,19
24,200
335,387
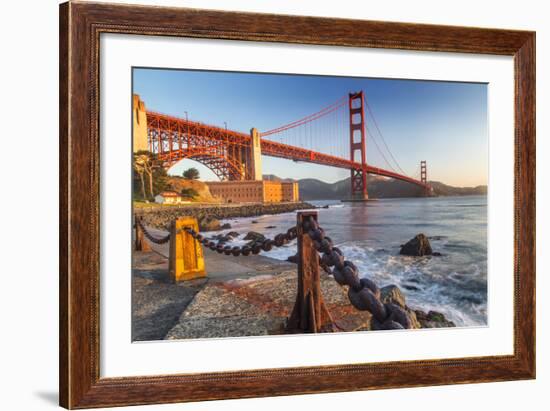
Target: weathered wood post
x,y
310,314
140,243
186,260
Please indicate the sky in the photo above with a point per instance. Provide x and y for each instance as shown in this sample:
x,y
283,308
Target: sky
x,y
444,123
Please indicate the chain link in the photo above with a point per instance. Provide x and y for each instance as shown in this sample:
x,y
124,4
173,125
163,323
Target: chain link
x,y
250,249
363,293
265,245
150,237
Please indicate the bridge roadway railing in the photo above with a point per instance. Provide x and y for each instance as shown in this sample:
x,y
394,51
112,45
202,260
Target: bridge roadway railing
x,y
315,251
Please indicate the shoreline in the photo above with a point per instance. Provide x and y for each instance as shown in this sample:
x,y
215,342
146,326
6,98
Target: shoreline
x,y
416,287
241,296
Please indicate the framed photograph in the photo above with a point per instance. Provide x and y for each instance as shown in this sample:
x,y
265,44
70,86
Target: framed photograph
x,y
259,205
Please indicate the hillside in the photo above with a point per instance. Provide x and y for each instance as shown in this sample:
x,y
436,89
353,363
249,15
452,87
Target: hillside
x,y
378,187
313,189
178,183
445,190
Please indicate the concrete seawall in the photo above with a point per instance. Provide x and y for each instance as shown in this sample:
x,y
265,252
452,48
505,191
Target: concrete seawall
x,y
161,217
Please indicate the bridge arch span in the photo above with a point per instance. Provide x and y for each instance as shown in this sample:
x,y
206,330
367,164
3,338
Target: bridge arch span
x,y
222,166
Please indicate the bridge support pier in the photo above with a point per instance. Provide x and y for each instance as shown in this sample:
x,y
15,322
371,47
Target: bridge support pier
x,y
255,157
357,135
139,127
424,178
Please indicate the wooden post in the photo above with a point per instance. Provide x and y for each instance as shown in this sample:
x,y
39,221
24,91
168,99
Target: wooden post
x,y
140,243
186,260
310,314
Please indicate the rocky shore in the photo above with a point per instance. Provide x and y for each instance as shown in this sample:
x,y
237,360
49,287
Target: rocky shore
x,y
242,296
209,215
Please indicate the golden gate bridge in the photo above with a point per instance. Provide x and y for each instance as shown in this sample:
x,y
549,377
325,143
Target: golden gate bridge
x,y
334,136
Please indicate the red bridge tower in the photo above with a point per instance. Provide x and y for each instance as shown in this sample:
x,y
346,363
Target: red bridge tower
x,y
358,137
423,172
428,190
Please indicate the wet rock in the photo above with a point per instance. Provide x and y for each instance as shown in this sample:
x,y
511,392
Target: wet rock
x,y
392,294
209,224
418,246
293,258
222,238
414,320
436,316
437,254
433,319
410,287
225,226
232,234
271,226
254,236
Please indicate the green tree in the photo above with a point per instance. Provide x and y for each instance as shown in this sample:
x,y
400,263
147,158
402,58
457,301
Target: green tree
x,y
189,193
139,171
191,174
146,164
143,166
160,180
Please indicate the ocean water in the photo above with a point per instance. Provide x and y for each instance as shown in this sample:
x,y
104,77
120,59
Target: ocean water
x,y
370,235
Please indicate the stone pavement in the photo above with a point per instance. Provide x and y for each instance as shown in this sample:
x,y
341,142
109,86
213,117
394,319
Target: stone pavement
x,y
241,296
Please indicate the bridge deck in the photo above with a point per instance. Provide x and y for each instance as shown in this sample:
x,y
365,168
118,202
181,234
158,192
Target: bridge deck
x,y
169,131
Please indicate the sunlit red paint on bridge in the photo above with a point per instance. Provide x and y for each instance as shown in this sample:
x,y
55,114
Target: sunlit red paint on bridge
x,y
229,154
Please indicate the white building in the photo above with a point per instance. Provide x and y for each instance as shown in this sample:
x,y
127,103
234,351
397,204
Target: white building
x,y
170,197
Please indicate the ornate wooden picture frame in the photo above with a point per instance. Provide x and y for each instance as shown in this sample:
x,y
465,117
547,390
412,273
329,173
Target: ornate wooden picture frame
x,y
81,25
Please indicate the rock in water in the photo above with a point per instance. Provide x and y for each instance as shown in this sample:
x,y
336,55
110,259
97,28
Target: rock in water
x,y
209,224
254,236
433,319
392,294
222,239
293,258
418,246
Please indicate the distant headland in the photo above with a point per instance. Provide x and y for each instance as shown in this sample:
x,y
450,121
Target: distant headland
x,y
379,187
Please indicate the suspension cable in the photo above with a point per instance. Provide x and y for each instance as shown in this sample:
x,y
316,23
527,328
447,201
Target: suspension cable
x,y
378,148
382,136
307,119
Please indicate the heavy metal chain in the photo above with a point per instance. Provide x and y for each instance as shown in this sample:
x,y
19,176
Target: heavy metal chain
x,y
162,240
264,245
363,293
